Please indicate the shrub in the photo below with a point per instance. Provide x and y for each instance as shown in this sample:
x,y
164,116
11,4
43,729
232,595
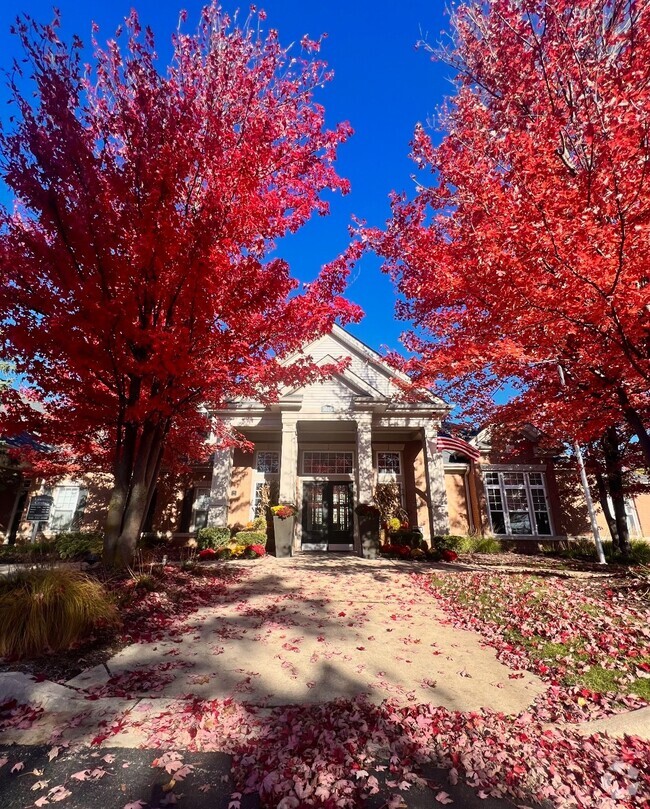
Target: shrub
x,y
449,542
44,548
216,537
74,544
33,550
250,538
467,544
640,551
146,582
224,552
259,524
52,609
486,545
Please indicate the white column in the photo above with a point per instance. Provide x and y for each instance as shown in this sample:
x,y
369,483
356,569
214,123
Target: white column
x,y
220,487
438,505
365,470
289,459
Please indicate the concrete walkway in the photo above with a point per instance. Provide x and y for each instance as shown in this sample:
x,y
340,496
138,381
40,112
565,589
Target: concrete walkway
x,y
311,629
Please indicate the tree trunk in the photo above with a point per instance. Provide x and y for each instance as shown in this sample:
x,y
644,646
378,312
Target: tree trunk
x,y
634,420
113,527
610,444
604,504
143,482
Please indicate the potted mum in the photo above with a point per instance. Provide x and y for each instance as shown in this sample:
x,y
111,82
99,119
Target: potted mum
x,y
368,516
284,518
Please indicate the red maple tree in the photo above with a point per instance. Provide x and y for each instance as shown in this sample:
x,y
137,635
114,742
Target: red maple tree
x,y
138,291
531,245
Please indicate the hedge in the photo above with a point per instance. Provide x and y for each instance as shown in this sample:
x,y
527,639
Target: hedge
x,y
251,538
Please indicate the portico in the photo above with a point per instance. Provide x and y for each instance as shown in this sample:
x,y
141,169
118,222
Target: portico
x,y
325,448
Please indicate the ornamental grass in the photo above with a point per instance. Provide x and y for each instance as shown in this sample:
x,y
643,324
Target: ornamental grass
x,y
48,610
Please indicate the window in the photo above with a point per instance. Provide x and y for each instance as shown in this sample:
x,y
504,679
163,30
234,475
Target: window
x,y
266,493
265,481
67,508
631,516
268,462
200,509
633,524
389,473
327,463
517,503
388,463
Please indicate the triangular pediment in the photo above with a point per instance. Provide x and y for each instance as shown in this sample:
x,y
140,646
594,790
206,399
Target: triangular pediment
x,y
366,378
344,381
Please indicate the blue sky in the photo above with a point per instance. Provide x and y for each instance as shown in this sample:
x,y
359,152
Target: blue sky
x,y
382,85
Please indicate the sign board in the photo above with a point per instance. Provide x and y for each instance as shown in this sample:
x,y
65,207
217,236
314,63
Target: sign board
x,y
39,508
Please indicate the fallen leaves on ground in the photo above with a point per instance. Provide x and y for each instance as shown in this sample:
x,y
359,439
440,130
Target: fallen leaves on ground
x,y
590,641
151,616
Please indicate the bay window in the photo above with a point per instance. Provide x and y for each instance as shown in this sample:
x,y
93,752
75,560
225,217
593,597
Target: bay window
x,y
518,503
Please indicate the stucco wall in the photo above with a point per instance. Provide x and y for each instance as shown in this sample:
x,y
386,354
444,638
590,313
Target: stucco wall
x,y
643,511
239,503
458,507
415,486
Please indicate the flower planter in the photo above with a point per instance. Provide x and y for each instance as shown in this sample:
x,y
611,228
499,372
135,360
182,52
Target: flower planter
x,y
369,535
283,530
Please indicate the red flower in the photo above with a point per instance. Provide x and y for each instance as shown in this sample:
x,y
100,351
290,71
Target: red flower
x,y
207,553
258,550
449,556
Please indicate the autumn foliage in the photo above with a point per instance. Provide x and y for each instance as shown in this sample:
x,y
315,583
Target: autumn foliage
x,y
138,291
528,244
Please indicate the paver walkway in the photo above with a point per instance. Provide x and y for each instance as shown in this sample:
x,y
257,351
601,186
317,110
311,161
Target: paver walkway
x,y
311,629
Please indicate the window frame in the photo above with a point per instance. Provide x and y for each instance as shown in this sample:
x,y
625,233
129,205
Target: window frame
x,y
55,508
503,488
259,452
318,475
196,494
384,478
258,477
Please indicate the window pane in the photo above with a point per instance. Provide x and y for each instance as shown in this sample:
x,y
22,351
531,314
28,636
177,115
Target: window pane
x,y
327,463
200,509
494,498
65,497
268,461
498,522
516,500
61,520
64,506
388,462
543,523
513,478
492,478
535,478
520,522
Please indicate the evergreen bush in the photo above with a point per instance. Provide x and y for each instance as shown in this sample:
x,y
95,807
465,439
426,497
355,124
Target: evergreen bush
x,y
76,544
216,537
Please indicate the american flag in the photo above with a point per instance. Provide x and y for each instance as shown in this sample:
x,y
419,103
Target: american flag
x,y
452,444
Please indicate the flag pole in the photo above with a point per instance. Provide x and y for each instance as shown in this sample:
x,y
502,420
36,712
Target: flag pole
x,y
585,485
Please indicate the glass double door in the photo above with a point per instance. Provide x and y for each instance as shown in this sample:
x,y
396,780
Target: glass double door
x,y
327,516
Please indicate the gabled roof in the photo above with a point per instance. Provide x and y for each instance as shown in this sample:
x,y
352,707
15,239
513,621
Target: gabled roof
x,y
355,375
